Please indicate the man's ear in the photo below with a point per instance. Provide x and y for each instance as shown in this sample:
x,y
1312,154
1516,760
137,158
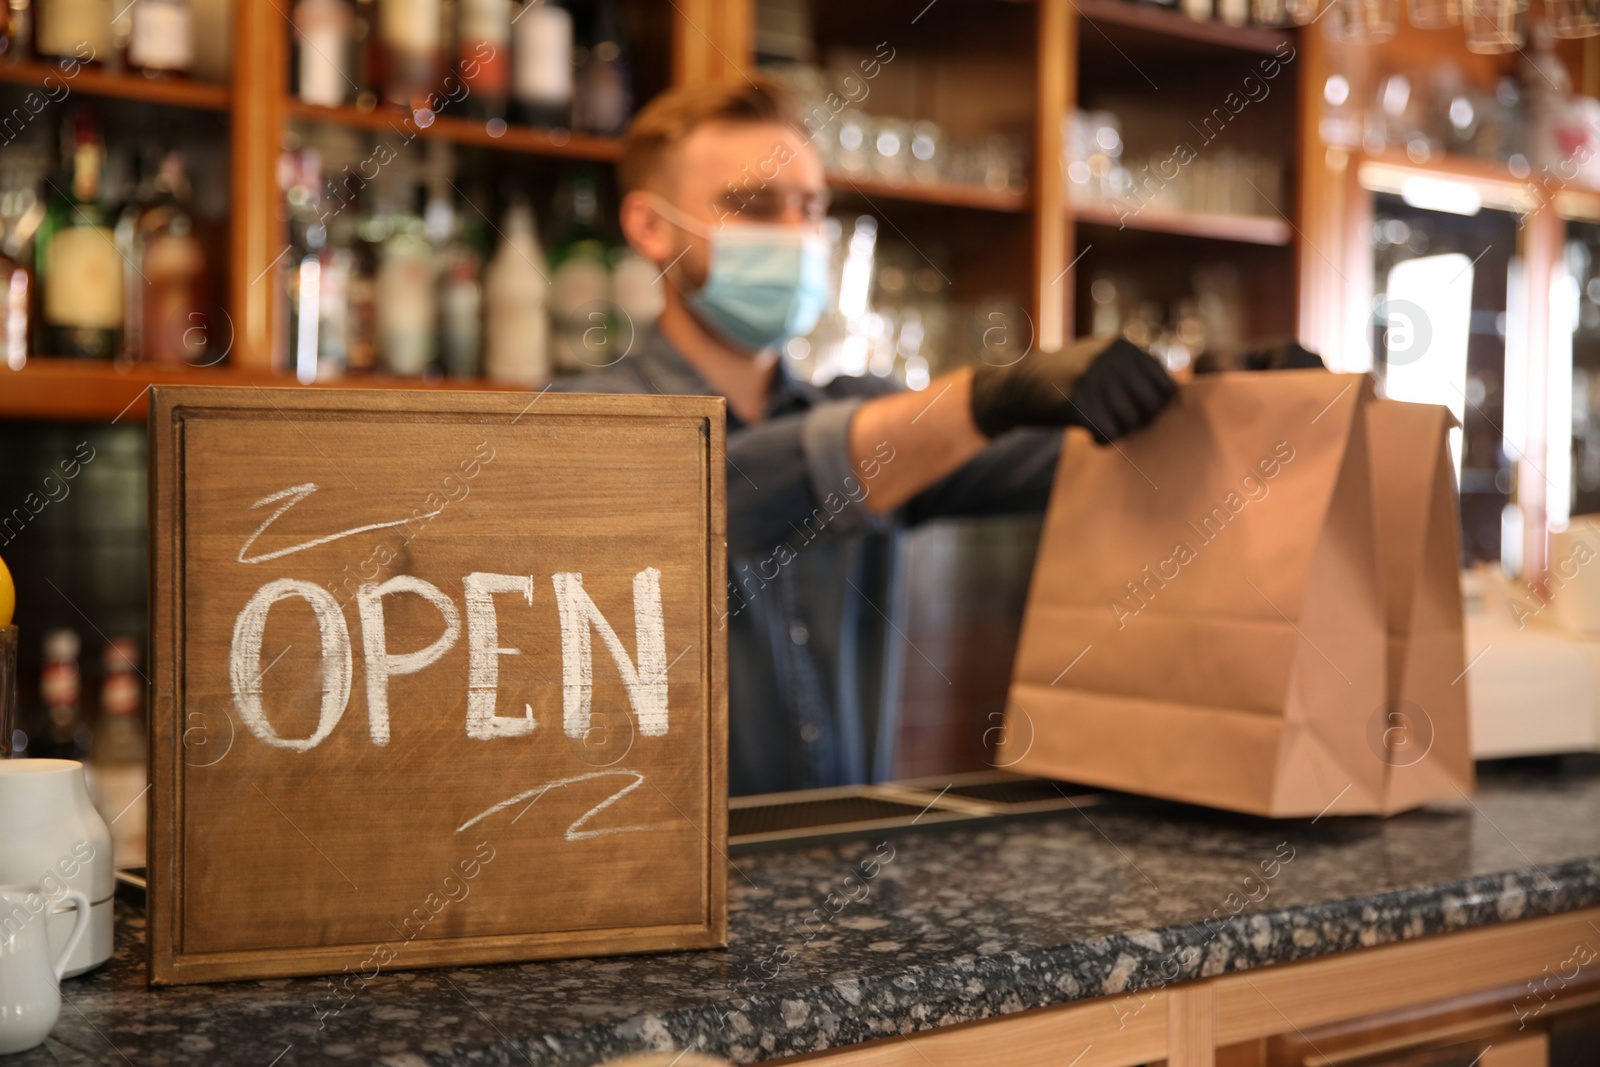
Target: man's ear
x,y
646,230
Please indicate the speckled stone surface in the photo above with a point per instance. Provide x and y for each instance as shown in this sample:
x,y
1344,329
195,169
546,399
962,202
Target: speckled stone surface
x,y
951,926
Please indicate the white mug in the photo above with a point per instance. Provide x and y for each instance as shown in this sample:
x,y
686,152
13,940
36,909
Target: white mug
x,y
30,993
51,835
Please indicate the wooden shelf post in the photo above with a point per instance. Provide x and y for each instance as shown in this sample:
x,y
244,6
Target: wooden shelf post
x,y
260,88
1052,282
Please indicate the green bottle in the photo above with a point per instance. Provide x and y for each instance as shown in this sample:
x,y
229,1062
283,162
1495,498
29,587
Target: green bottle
x,y
79,268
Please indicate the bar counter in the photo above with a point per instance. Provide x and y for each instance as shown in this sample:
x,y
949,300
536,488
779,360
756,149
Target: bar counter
x,y
842,944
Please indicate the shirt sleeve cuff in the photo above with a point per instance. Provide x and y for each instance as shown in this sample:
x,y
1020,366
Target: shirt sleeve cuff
x,y
839,489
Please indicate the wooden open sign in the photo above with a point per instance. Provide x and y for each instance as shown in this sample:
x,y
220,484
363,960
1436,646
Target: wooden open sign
x,y
438,679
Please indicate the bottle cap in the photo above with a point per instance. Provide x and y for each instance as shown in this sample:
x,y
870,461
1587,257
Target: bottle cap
x,y
61,645
121,654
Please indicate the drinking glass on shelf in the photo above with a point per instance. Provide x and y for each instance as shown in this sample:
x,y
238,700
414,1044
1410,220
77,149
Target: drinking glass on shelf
x,y
1269,187
8,688
1572,18
1004,162
855,148
927,152
1270,12
1305,12
1233,12
1433,14
1199,193
891,148
1491,26
1366,21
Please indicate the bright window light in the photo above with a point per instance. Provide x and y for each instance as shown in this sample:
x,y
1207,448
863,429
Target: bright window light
x,y
1564,299
305,354
1438,194
1428,305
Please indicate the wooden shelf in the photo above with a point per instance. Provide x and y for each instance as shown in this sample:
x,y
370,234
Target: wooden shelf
x,y
94,82
944,194
560,144
95,391
1243,229
1493,181
1165,22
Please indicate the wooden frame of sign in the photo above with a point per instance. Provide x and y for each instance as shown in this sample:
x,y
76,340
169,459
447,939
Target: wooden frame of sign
x,y
438,679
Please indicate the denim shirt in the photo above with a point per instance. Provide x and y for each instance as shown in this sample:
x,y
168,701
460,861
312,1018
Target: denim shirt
x,y
809,586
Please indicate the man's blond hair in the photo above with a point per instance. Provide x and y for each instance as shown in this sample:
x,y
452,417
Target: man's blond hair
x,y
666,121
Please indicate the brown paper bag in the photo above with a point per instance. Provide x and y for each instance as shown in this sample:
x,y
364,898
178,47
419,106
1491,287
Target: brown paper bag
x,y
1253,604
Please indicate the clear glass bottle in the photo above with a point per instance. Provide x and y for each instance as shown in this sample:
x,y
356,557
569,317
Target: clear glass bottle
x,y
16,296
580,279
516,326
301,174
541,79
336,326
117,772
461,296
406,308
604,98
21,212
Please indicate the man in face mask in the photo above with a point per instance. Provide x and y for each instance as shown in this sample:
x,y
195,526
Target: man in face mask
x,y
723,192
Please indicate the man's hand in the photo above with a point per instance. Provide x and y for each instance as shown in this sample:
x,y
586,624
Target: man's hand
x,y
1107,385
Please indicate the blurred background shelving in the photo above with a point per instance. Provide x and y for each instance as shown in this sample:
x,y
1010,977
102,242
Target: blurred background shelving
x,y
1006,175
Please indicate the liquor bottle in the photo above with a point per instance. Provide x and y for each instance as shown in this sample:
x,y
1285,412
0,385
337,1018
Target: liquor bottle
x,y
19,31
515,325
541,77
16,289
371,231
461,298
324,41
169,301
580,280
335,325
66,735
410,50
636,292
161,38
213,40
116,771
407,314
78,267
80,29
605,84
483,56
125,235
368,67
21,212
302,266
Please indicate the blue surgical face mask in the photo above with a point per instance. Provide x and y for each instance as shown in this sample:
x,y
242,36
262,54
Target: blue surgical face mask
x,y
766,282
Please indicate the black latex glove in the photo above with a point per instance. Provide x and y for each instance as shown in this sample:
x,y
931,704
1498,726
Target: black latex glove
x,y
1107,385
1282,355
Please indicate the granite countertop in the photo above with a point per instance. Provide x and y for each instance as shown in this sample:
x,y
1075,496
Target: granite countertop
x,y
931,928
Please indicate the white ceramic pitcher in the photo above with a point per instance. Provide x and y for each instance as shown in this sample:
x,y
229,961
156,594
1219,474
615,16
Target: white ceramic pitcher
x,y
51,835
30,993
